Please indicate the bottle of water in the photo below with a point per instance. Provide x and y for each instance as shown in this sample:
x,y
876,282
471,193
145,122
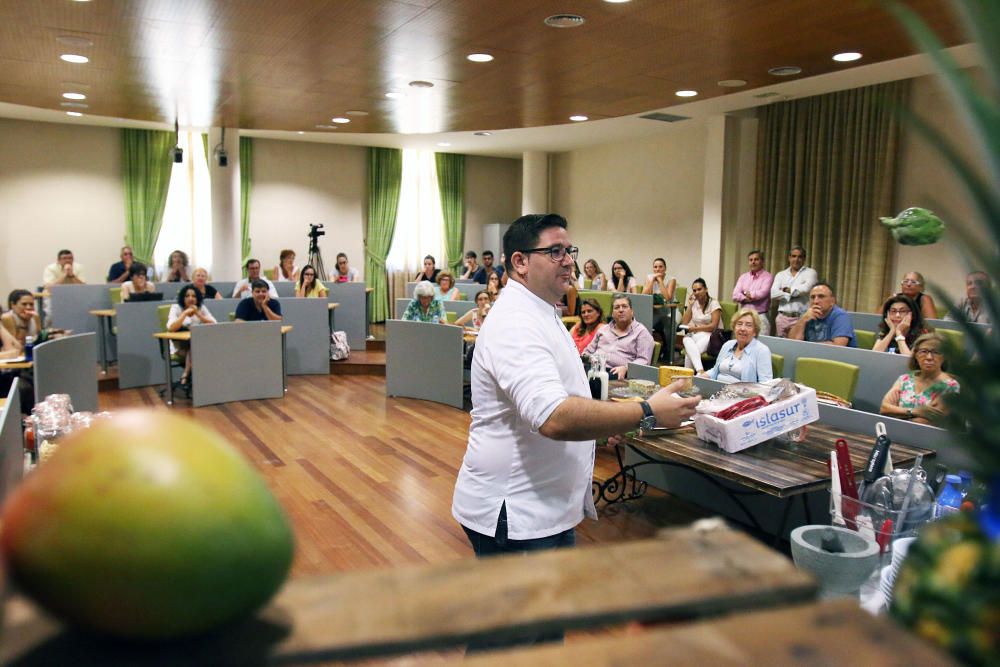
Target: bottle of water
x,y
950,498
966,482
29,344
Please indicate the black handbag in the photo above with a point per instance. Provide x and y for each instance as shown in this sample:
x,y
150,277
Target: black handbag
x,y
718,338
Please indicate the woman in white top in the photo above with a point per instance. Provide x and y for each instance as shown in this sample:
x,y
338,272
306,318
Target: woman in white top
x,y
137,281
474,318
189,311
593,273
286,271
702,316
623,280
345,273
658,283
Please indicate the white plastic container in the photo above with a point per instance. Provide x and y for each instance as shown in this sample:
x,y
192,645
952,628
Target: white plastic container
x,y
762,424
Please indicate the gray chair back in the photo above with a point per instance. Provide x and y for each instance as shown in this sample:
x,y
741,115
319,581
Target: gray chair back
x,y
68,365
424,360
236,361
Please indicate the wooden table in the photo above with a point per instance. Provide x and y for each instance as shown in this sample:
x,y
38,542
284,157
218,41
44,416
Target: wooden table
x,y
104,317
778,467
15,365
164,337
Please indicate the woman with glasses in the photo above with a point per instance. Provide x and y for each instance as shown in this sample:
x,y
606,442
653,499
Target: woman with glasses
x,y
493,286
912,285
137,282
177,267
345,273
919,396
309,285
445,289
744,358
622,279
902,323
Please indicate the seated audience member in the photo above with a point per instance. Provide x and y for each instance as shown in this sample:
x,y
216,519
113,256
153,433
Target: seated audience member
x,y
243,288
137,281
753,289
424,307
345,273
199,278
64,272
902,323
21,320
824,321
118,273
189,311
430,272
445,289
474,318
11,349
592,272
482,275
569,304
744,358
493,286
703,316
177,268
623,340
972,305
657,282
259,306
622,279
286,271
309,285
504,275
591,319
919,395
790,290
912,285
471,265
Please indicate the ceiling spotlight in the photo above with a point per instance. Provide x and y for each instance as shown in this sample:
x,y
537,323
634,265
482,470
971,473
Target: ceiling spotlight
x,y
421,84
394,95
74,96
73,58
326,127
847,57
74,105
579,118
177,152
785,70
355,113
479,57
482,134
73,113
686,93
74,40
340,120
732,83
617,2
564,21
300,132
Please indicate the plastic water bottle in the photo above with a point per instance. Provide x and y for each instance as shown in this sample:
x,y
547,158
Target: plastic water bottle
x,y
950,498
966,482
29,344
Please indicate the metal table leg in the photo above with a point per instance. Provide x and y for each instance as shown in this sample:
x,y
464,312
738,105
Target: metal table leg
x,y
102,341
284,369
165,353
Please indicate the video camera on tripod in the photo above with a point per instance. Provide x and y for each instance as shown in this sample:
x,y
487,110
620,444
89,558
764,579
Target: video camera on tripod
x,y
315,258
315,231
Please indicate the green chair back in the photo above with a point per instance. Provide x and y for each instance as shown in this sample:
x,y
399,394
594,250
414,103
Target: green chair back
x,y
587,283
116,295
865,339
778,365
657,346
232,317
603,298
952,337
163,312
269,274
729,309
681,297
833,377
941,311
451,315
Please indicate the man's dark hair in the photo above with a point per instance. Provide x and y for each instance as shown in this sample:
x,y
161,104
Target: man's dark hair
x,y
136,269
618,296
249,262
825,284
797,247
62,252
523,233
16,296
182,294
258,284
487,253
471,254
753,252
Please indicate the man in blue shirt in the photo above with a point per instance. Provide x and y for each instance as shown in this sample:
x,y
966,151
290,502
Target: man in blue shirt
x,y
824,321
482,276
258,307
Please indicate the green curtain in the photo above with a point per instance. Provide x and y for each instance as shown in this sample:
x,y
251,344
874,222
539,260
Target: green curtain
x,y
208,156
246,178
146,169
451,188
385,175
826,172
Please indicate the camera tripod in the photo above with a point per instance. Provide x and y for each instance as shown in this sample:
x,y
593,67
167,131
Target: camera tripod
x,y
316,260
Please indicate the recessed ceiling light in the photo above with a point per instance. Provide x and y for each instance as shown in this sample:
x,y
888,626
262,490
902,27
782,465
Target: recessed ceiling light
x,y
74,40
579,118
355,112
74,96
443,143
340,120
73,58
770,93
73,113
421,84
479,57
785,70
686,93
564,21
732,83
847,57
617,2
74,105
394,95
300,132
326,127
482,134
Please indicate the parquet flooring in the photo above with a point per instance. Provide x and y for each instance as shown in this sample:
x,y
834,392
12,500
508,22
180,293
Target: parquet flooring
x,y
367,480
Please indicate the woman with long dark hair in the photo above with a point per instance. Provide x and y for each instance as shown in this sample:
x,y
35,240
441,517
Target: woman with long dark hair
x,y
591,319
622,279
189,311
902,323
309,285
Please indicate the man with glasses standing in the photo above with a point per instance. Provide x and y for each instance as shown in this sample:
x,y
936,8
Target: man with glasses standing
x,y
791,291
525,481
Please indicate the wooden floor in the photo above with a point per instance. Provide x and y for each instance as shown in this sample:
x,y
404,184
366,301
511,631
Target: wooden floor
x,y
367,480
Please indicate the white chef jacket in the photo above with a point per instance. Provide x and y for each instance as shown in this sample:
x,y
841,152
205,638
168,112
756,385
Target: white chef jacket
x,y
524,366
794,302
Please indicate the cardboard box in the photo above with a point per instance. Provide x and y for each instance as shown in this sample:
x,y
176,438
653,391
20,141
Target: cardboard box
x,y
762,424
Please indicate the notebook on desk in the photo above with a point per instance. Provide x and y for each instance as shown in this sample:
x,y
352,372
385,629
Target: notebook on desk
x,y
145,296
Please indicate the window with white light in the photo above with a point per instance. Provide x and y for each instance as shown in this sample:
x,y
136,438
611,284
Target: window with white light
x,y
187,218
419,220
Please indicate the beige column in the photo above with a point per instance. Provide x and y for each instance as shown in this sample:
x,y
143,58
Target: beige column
x,y
226,251
534,182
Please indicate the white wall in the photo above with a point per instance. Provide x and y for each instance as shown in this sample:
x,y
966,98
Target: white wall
x,y
637,200
492,195
60,186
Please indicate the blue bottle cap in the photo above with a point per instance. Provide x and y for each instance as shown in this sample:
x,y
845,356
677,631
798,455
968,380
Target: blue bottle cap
x,y
953,479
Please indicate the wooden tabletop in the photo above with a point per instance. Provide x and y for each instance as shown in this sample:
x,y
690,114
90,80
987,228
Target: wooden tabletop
x,y
332,305
41,295
683,573
15,365
776,467
103,312
186,335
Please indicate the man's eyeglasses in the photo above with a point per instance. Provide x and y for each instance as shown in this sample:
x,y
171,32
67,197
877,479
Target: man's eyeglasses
x,y
556,252
909,282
